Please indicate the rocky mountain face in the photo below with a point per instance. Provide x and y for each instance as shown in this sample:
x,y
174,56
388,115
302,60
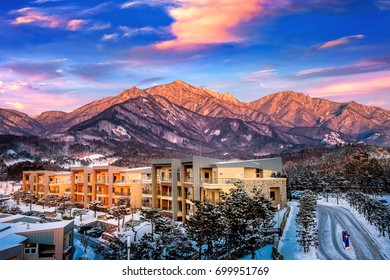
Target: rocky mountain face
x,y
13,122
182,117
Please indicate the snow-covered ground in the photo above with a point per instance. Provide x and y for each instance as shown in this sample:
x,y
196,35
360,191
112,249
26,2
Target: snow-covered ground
x,y
291,250
288,245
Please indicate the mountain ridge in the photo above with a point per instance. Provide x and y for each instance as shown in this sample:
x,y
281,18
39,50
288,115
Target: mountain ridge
x,y
178,115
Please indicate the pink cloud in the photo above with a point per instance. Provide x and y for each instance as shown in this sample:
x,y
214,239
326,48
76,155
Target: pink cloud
x,y
75,24
202,22
12,86
362,85
17,105
30,15
39,18
340,41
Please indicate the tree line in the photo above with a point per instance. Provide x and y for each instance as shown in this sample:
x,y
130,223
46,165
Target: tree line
x,y
375,212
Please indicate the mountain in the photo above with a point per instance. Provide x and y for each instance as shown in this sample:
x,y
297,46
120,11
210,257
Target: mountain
x,y
300,110
179,117
13,122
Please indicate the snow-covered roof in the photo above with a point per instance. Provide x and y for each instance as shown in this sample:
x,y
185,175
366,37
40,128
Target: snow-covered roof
x,y
12,238
14,224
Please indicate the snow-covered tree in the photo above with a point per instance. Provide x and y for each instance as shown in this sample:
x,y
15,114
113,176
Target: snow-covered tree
x,y
306,221
65,207
30,198
95,205
115,249
80,213
205,227
117,213
247,213
151,215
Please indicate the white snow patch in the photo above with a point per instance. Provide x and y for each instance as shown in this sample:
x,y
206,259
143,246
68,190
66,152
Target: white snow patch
x,y
247,137
173,138
120,131
333,139
9,162
223,139
215,132
11,153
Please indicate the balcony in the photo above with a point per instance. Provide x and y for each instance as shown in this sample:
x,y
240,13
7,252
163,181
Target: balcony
x,y
167,194
146,178
222,181
54,191
190,196
125,182
166,208
166,179
146,191
67,190
123,193
102,192
189,180
101,181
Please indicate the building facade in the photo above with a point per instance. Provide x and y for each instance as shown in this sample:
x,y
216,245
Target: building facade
x,y
177,183
26,238
171,185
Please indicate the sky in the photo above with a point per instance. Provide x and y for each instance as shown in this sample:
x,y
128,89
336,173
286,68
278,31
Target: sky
x,y
62,54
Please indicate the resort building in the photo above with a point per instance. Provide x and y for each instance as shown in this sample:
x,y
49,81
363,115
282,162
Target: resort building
x,y
176,183
26,238
171,185
43,182
129,183
81,182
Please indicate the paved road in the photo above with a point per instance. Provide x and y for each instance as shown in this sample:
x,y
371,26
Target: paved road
x,y
331,222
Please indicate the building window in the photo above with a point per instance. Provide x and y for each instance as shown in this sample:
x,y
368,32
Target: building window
x,y
272,196
30,248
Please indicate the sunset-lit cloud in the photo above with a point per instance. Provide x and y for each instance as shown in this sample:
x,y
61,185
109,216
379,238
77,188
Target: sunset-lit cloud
x,y
17,105
58,54
364,84
341,41
259,76
7,86
46,18
208,22
36,70
375,64
75,24
31,15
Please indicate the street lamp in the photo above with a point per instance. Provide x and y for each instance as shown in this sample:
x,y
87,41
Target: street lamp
x,y
278,218
128,247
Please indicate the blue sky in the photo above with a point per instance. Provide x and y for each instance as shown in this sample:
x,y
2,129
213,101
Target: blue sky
x,y
59,55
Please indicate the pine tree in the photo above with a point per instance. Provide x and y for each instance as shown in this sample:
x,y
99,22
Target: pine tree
x,y
306,221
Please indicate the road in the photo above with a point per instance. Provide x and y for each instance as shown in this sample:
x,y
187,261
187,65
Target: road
x,y
331,222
